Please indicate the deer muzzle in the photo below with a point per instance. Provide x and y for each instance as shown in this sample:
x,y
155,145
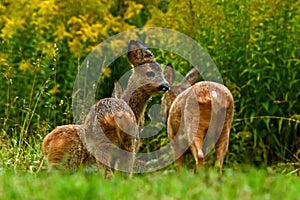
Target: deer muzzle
x,y
163,87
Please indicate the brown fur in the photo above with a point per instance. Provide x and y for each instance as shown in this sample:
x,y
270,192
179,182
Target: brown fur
x,y
104,131
189,110
114,121
63,148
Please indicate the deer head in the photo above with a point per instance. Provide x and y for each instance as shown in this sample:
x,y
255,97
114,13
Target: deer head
x,y
147,73
147,79
190,79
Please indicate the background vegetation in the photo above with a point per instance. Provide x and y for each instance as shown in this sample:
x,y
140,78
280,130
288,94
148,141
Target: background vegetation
x,y
255,44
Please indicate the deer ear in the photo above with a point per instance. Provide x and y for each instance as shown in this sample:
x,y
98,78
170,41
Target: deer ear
x,y
135,53
138,53
134,45
190,78
118,91
169,74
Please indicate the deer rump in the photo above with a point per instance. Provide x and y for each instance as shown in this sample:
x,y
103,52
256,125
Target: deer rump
x,y
197,118
63,148
111,134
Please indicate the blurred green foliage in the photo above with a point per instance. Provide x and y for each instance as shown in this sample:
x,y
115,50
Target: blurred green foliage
x,y
254,43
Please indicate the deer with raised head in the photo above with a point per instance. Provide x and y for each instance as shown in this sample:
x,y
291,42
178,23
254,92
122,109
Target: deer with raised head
x,y
198,114
146,80
113,123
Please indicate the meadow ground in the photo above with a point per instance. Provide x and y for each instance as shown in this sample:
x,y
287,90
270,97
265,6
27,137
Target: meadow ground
x,y
244,183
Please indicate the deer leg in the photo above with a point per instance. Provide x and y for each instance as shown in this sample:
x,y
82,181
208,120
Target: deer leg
x,y
196,148
108,172
180,158
126,162
132,156
179,155
131,164
198,156
103,157
180,162
177,143
222,147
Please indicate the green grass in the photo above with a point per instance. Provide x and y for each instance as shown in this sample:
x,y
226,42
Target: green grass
x,y
248,183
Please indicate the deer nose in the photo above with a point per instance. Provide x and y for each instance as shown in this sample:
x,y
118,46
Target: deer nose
x,y
163,87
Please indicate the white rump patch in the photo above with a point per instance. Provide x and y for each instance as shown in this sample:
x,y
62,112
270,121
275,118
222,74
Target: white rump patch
x,y
214,94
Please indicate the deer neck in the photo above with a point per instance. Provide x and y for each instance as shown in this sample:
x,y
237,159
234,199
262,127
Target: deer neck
x,y
137,99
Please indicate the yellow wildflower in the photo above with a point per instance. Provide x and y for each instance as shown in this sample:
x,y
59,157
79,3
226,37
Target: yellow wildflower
x,y
55,89
75,46
133,9
47,8
24,65
8,29
106,71
61,32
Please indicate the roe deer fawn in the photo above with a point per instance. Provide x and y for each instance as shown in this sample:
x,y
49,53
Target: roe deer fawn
x,y
146,80
111,122
189,108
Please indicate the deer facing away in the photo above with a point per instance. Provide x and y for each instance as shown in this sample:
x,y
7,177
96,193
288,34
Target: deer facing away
x,y
198,114
112,124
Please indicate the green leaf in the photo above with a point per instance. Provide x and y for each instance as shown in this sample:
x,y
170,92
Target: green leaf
x,y
265,105
252,117
279,125
267,123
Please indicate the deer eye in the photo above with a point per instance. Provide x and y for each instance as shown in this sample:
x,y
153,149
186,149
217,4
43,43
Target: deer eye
x,y
148,54
150,74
